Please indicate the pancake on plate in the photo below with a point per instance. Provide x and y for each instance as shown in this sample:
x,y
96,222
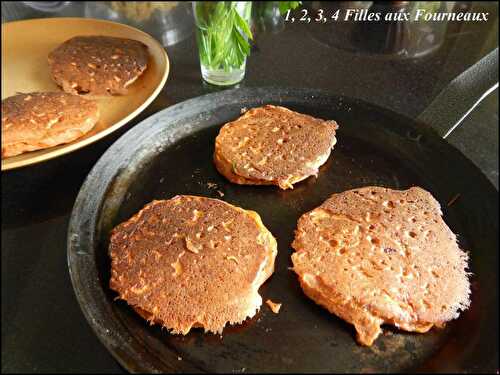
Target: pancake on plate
x,y
192,262
376,256
98,65
39,120
273,145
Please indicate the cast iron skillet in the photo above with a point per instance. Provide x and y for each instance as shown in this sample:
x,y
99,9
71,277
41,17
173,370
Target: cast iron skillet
x,y
171,153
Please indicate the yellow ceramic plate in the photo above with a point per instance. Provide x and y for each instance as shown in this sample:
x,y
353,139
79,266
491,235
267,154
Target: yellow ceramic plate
x,y
25,46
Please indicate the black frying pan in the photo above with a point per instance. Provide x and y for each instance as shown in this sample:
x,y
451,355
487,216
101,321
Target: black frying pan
x,y
171,153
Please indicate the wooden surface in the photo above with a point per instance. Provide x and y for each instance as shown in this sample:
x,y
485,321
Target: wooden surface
x,y
25,47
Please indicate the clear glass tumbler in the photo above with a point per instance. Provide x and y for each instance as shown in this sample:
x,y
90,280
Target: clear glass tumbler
x,y
222,43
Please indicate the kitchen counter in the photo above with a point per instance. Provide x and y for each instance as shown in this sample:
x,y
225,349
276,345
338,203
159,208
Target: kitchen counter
x,y
43,329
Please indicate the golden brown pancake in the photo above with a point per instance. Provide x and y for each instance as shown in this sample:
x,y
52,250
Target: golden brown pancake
x,y
98,65
192,262
40,120
273,145
376,256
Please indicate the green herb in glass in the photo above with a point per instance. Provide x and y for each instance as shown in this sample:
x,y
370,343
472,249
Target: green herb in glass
x,y
222,35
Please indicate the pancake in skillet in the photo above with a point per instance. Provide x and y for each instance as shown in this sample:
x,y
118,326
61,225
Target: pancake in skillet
x,y
40,120
192,262
273,145
376,256
98,65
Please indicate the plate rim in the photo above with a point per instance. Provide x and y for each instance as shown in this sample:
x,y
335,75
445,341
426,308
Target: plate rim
x,y
71,147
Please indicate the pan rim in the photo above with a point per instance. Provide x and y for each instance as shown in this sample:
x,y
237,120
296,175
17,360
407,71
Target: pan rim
x,y
95,181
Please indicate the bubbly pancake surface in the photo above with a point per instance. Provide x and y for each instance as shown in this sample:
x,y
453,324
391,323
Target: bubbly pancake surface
x,y
192,262
376,256
273,145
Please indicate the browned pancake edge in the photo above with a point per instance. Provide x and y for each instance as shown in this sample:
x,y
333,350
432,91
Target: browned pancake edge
x,y
192,262
272,145
375,256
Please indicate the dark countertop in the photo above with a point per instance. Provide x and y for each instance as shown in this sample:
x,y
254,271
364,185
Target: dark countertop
x,y
43,329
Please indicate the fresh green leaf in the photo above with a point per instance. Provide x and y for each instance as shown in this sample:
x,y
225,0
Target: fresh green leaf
x,y
242,43
285,5
242,24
